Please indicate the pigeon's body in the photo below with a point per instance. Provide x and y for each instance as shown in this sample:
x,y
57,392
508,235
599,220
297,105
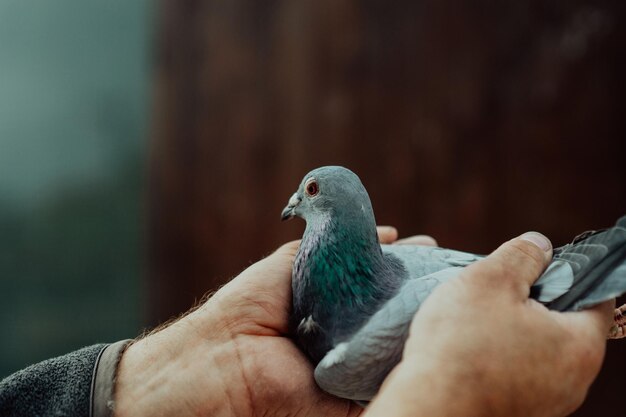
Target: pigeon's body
x,y
354,299
353,288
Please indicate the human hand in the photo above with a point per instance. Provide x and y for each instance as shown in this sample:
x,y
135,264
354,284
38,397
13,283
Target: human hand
x,y
480,347
232,356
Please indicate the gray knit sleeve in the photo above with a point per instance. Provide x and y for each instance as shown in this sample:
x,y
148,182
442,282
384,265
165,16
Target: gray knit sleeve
x,y
55,387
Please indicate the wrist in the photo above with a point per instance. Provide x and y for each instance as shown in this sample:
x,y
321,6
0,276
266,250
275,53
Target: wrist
x,y
181,370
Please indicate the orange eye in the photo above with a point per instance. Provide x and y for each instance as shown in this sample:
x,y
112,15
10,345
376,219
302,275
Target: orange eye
x,y
312,189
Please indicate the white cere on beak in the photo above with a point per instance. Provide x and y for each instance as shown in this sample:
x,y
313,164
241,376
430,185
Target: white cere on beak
x,y
294,200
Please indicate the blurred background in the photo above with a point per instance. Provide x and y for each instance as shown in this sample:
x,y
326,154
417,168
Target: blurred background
x,y
75,85
148,147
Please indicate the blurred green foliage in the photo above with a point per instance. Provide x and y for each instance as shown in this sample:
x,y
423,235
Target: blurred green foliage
x,y
74,83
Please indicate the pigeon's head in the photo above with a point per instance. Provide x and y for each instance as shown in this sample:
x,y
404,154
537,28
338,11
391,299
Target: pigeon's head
x,y
330,191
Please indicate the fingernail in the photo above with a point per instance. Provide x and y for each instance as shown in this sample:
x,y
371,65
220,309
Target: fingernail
x,y
538,239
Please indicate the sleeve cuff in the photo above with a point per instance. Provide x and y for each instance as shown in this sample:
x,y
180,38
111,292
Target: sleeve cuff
x,y
103,379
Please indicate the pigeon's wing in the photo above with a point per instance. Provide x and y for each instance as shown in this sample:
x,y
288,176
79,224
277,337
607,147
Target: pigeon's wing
x,y
424,260
594,264
356,368
586,272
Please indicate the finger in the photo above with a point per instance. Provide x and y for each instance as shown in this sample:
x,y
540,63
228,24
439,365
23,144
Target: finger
x,y
387,234
588,330
420,240
595,321
618,327
516,264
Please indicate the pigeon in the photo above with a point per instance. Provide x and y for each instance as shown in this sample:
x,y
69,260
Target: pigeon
x,y
354,299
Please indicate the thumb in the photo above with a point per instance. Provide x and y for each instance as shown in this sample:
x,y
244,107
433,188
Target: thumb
x,y
516,264
273,268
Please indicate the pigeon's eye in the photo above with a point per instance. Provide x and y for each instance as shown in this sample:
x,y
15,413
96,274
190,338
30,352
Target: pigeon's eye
x,y
312,188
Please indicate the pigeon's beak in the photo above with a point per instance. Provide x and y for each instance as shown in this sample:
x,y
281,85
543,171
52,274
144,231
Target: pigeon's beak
x,y
289,211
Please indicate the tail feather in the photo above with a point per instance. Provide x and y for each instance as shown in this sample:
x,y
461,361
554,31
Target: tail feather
x,y
598,262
